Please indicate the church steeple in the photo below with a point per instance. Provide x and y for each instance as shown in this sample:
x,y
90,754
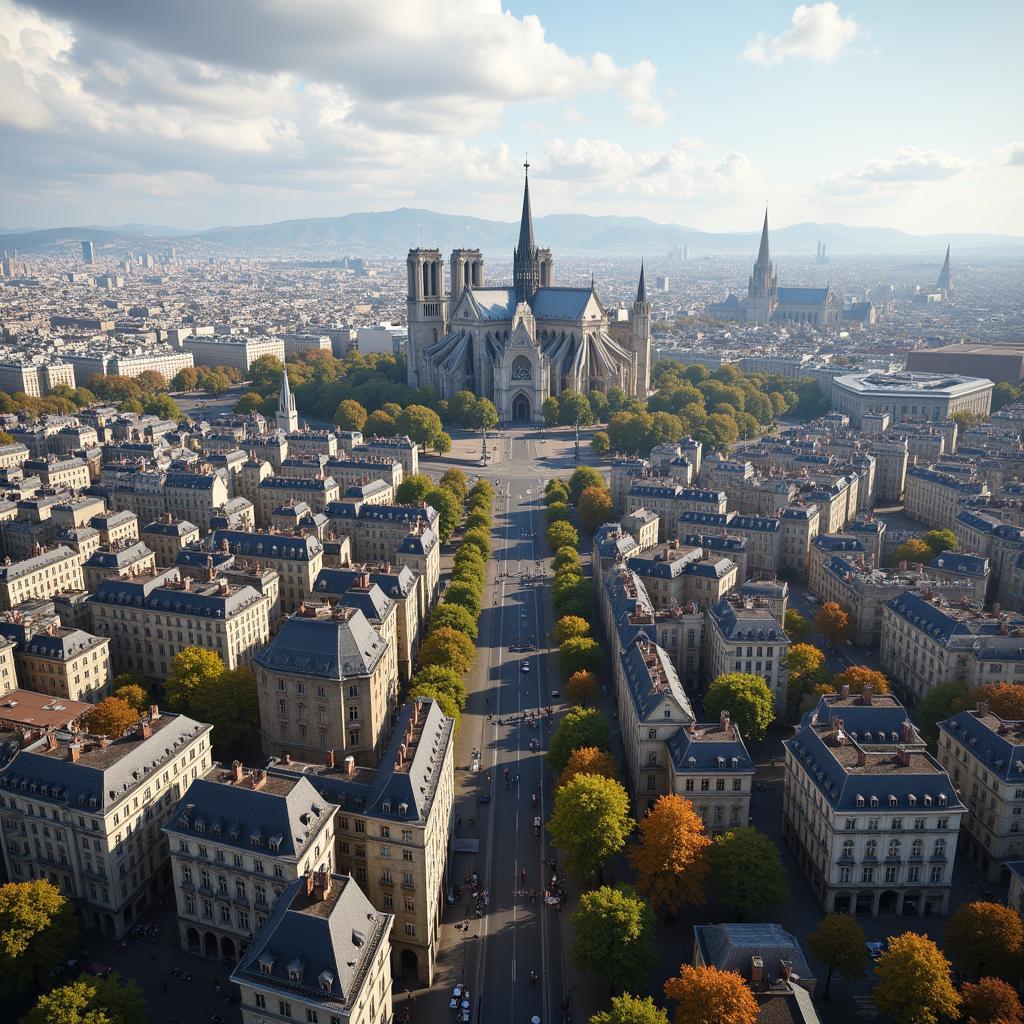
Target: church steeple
x,y
945,281
641,291
762,287
762,253
525,259
287,415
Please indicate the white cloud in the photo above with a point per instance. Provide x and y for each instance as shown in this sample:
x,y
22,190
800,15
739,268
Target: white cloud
x,y
817,32
908,167
1012,155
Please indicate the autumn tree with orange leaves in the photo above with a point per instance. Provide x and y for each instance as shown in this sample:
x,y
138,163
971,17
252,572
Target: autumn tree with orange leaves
x,y
857,676
991,1001
670,862
589,761
832,621
581,687
706,995
1004,699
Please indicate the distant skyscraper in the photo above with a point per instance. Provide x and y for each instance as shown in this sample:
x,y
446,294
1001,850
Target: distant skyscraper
x,y
287,416
88,252
945,281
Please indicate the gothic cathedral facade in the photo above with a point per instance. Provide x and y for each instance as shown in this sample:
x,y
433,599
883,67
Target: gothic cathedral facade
x,y
517,345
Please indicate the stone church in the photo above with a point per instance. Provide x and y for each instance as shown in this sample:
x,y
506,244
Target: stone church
x,y
767,302
517,345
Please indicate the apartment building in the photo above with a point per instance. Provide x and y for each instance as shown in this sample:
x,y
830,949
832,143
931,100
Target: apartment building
x,y
323,956
663,496
66,663
935,498
871,815
122,558
85,812
350,469
41,575
399,448
621,476
393,827
237,839
642,525
318,493
306,444
743,635
891,459
151,618
798,526
675,575
235,351
327,682
70,474
114,527
160,359
166,537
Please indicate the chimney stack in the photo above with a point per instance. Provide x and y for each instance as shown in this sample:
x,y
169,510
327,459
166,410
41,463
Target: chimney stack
x,y
867,694
756,971
903,756
844,691
51,740
74,750
286,758
350,765
259,779
321,885
236,771
154,712
862,757
145,730
908,732
723,721
329,759
982,708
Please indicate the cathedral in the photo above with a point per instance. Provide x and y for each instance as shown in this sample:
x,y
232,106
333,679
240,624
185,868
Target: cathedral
x,y
766,302
518,345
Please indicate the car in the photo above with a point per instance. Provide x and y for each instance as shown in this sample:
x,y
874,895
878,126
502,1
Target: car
x,y
485,798
99,970
525,667
875,949
555,693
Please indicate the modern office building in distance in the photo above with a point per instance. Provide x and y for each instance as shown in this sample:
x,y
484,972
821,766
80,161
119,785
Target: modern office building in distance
x,y
931,397
88,252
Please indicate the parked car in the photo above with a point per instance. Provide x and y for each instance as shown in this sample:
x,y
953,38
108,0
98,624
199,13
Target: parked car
x,y
875,949
99,970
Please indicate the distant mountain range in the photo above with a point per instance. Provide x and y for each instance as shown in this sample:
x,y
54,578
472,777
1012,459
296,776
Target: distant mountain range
x,y
395,231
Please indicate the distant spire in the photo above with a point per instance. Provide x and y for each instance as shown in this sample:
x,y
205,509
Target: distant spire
x,y
762,252
526,242
641,291
526,260
284,398
945,281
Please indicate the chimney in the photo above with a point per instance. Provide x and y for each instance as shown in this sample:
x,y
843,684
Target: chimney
x,y
309,883
321,886
982,708
154,712
74,750
723,721
329,759
51,740
756,971
785,969
145,730
186,583
258,779
903,756
844,690
862,757
236,771
908,732
837,731
867,694
286,758
350,765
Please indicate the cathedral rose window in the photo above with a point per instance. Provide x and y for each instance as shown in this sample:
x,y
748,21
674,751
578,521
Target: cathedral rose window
x,y
521,368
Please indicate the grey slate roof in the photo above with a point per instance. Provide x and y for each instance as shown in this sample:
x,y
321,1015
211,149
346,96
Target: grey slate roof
x,y
997,743
268,545
329,647
729,947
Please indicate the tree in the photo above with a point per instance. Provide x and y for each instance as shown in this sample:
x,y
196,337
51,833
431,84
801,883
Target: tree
x,y
601,444
832,621
454,616
37,924
589,761
940,540
913,551
187,378
613,935
442,443
859,676
448,647
590,823
798,629
460,408
231,704
464,594
484,415
573,407
568,626
627,1009
557,511
421,424
478,539
595,507
556,491
561,535
581,479
380,424
581,686
1004,699
838,942
747,699
747,871
1003,394
991,1001
803,660
449,510
413,489
706,995
134,695
578,654
251,401
670,860
112,1000
191,669
550,411
445,679
565,556
112,717
449,707
579,727
938,704
265,374
350,415
984,938
914,985
455,481
163,406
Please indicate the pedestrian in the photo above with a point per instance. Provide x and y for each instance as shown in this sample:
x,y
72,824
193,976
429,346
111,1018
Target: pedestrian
x,y
533,978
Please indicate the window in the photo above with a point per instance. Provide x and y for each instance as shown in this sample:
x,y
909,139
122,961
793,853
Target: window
x,y
261,1000
283,1008
410,928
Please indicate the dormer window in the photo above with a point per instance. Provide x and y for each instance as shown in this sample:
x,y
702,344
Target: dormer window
x,y
874,801
860,800
295,969
266,965
892,800
326,982
386,806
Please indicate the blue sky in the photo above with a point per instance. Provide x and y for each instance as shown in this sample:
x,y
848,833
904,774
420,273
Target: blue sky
x,y
898,114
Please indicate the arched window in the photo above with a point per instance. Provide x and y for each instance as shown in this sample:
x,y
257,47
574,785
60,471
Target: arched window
x,y
522,368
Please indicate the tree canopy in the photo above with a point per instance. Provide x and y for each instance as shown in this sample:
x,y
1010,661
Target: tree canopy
x,y
590,823
111,717
832,621
707,995
991,1001
627,1009
37,925
562,534
230,703
581,687
454,616
859,676
580,654
748,700
581,479
190,669
589,761
838,942
797,628
985,938
747,871
579,727
613,936
595,506
914,984
448,647
569,626
134,694
112,1000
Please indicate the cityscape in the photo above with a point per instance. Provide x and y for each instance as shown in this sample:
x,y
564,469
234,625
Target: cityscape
x,y
485,539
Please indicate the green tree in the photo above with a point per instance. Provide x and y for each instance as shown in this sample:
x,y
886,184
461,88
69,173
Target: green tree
x,y
478,539
449,707
134,695
573,407
464,594
556,494
601,444
569,626
449,510
913,551
550,411
484,415
445,679
113,1000
421,424
940,540
478,520
455,481
460,408
230,703
565,556
838,942
442,443
578,654
413,489
163,406
590,823
191,669
251,401
613,935
37,925
350,415
803,660
581,479
454,616
557,511
938,704
449,648
380,424
747,699
627,1009
187,379
265,374
1004,394
985,938
598,406
832,621
914,984
561,535
747,871
595,507
579,727
798,629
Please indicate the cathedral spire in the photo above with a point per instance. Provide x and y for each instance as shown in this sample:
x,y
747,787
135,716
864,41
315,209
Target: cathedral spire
x,y
641,291
945,282
526,242
525,259
762,252
287,415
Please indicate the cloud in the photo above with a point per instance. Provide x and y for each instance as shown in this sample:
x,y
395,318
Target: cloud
x,y
1012,155
909,167
817,32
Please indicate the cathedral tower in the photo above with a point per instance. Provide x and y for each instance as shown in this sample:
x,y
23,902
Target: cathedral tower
x,y
762,289
526,258
287,415
466,270
640,335
427,309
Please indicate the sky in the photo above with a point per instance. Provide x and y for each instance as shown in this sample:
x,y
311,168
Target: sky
x,y
194,113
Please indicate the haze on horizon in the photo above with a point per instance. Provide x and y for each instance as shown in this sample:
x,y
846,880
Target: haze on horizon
x,y
193,115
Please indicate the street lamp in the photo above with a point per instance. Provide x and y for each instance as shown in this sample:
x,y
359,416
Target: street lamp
x,y
577,440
